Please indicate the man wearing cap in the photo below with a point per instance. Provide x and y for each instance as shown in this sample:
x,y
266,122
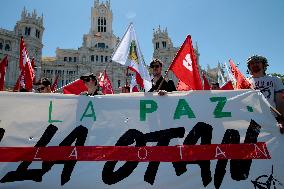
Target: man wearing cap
x,y
270,86
44,86
91,83
156,65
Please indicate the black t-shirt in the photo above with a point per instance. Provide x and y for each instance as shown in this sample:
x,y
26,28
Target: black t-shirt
x,y
157,84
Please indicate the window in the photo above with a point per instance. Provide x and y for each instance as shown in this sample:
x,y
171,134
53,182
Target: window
x,y
27,30
164,44
101,24
101,45
106,59
70,59
118,83
65,59
37,33
92,58
97,58
102,58
74,59
1,45
7,47
157,45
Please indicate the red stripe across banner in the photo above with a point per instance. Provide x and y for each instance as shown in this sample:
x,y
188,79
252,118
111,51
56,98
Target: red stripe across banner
x,y
132,153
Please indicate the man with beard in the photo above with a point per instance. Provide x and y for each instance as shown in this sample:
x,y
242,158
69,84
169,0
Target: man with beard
x,y
270,86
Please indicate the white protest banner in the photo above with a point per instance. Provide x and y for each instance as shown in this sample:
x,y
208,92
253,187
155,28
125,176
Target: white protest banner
x,y
198,139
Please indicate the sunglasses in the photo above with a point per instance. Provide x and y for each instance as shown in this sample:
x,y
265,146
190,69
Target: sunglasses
x,y
155,66
86,80
41,88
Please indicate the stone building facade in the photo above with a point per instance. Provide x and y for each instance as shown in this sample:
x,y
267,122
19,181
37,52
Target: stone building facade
x,y
166,52
31,27
93,56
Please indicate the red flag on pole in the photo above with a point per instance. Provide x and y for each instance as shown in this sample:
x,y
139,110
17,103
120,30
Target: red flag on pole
x,y
242,83
20,82
206,85
55,83
3,65
185,66
227,86
75,87
33,66
105,83
27,74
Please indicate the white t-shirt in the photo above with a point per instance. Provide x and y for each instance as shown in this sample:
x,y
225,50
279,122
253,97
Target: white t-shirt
x,y
268,86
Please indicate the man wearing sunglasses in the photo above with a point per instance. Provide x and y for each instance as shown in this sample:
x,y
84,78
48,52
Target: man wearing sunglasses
x,y
91,82
156,65
44,86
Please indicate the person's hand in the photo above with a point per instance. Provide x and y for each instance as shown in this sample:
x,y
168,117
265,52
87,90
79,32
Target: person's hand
x,y
280,121
84,93
162,92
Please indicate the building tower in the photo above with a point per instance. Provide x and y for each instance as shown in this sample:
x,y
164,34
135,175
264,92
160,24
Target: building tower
x,y
166,52
163,48
30,26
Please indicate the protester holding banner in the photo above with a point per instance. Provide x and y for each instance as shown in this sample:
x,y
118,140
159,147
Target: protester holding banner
x,y
91,82
270,86
156,65
44,86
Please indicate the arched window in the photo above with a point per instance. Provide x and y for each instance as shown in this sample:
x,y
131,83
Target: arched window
x,y
1,45
7,47
164,44
65,59
102,58
157,45
101,24
27,31
101,45
92,58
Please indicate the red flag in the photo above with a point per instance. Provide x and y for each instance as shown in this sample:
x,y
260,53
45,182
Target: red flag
x,y
227,86
105,83
55,84
27,74
133,85
242,83
20,82
33,66
185,66
3,65
181,86
75,87
206,85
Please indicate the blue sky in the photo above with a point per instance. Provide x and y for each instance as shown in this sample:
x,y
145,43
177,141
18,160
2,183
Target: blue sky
x,y
222,29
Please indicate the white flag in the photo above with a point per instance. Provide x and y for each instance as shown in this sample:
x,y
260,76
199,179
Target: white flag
x,y
128,53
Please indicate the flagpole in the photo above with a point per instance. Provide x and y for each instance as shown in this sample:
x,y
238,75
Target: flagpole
x,y
108,63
